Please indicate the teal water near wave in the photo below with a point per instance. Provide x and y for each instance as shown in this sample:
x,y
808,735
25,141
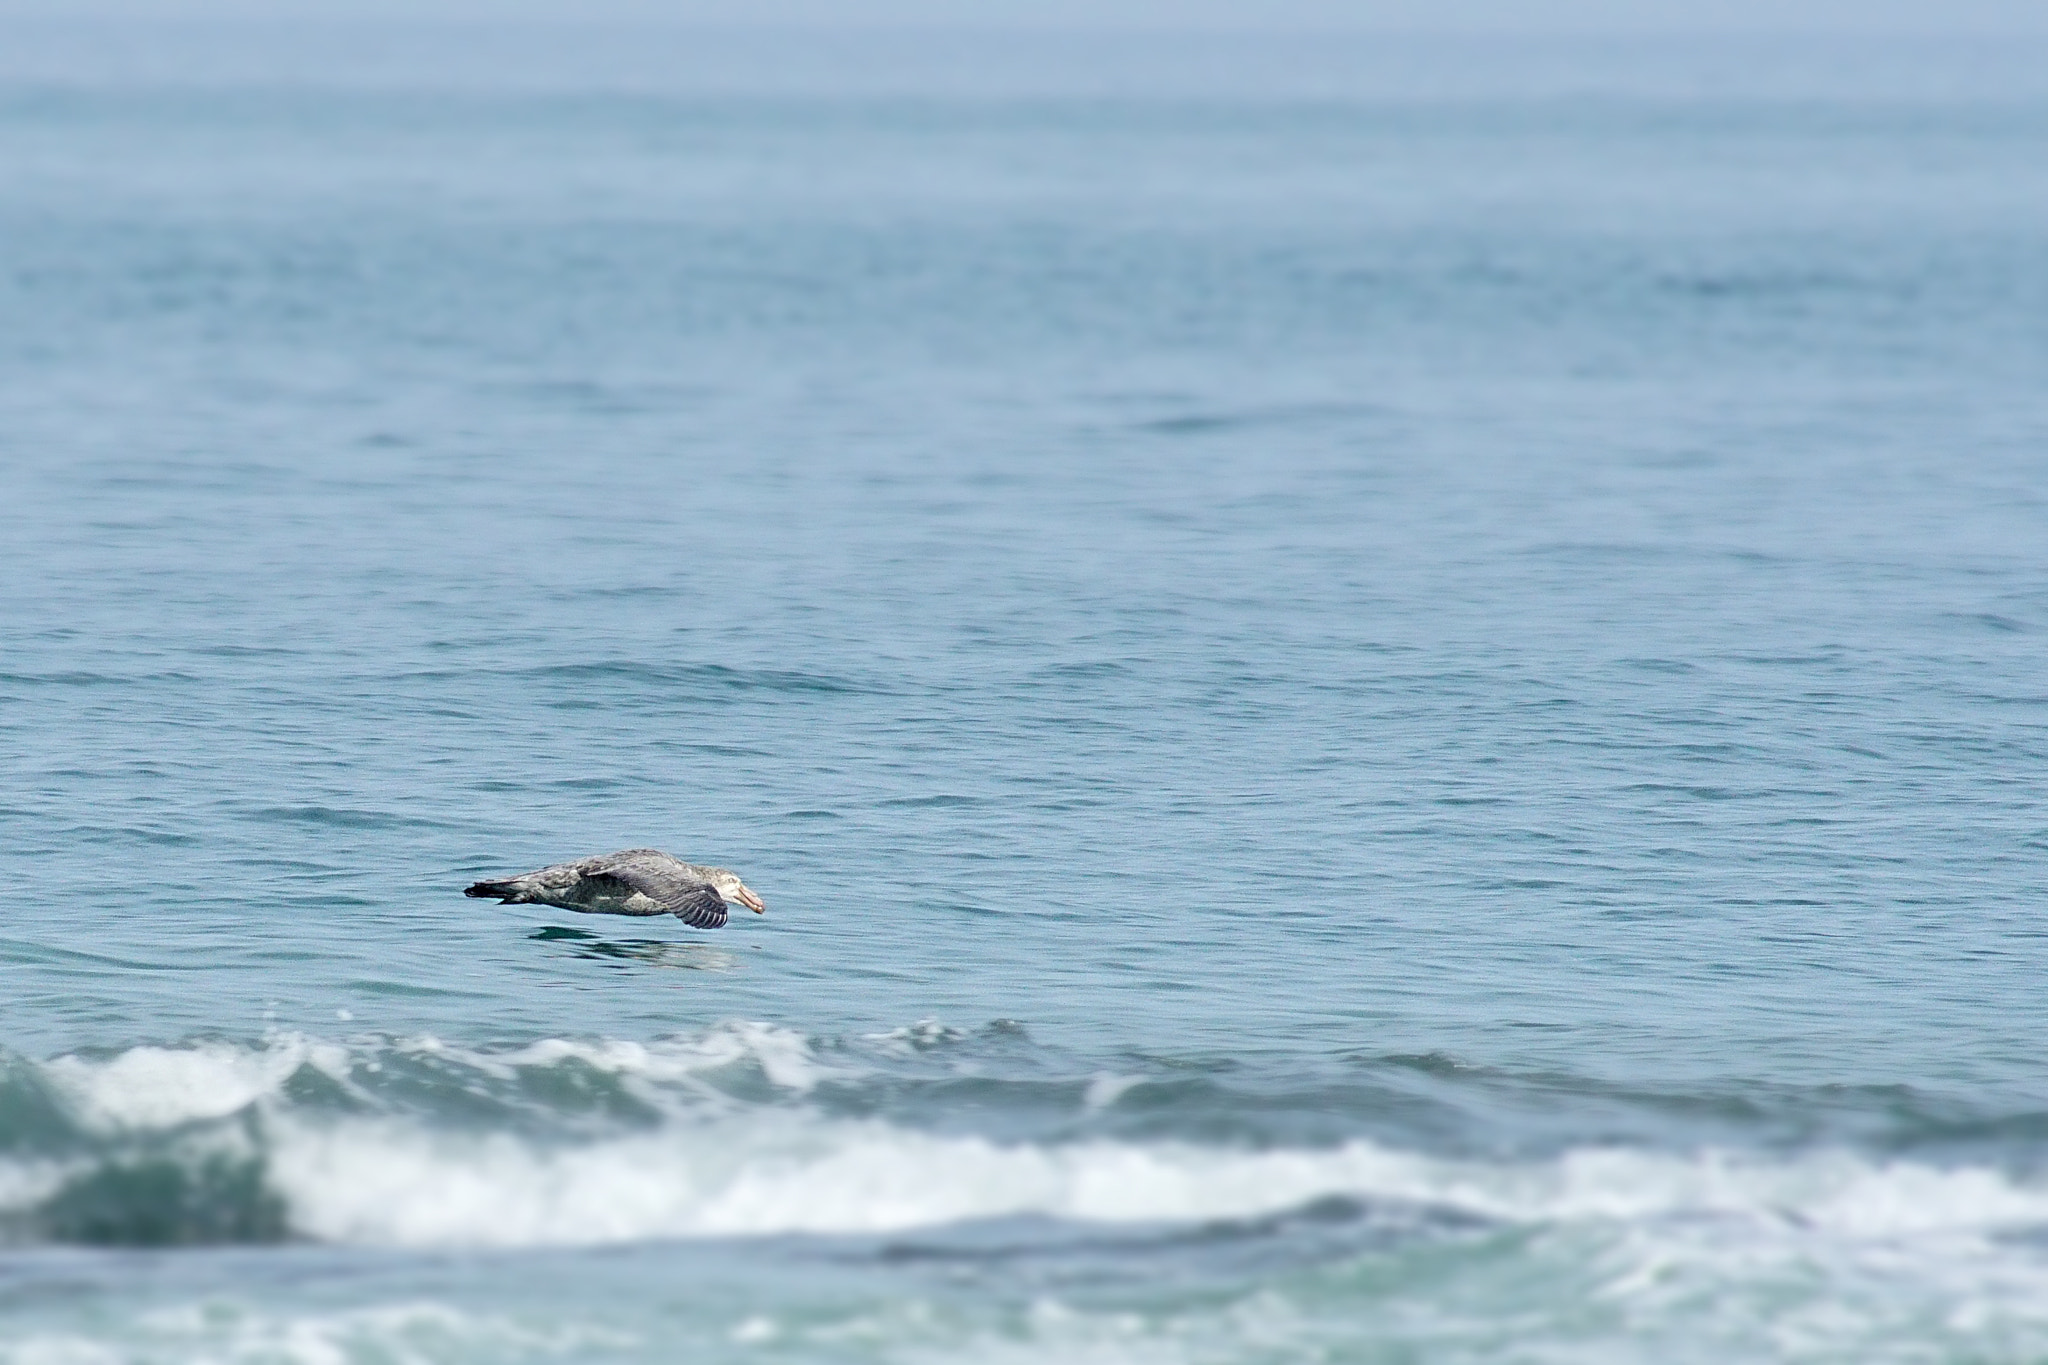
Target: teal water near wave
x,y
1375,727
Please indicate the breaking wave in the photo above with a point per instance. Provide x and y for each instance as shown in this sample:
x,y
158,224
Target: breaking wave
x,y
380,1183
420,1143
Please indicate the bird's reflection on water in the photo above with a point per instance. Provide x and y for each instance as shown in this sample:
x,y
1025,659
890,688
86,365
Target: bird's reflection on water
x,y
650,952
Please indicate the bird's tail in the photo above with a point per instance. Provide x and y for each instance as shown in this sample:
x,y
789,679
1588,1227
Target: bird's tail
x,y
507,892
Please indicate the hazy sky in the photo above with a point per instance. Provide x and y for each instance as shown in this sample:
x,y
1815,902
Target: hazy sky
x,y
1455,16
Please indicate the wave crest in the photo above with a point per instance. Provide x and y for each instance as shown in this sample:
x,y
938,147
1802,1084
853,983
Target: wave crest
x,y
724,1134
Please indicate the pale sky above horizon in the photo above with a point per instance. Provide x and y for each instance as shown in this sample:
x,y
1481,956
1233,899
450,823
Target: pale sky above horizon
x,y
1477,17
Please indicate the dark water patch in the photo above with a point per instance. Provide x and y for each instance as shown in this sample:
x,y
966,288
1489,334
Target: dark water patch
x,y
81,959
701,679
1081,672
342,817
998,1084
224,651
80,678
1991,621
164,1201
1206,1110
1427,1063
1599,552
633,676
1697,793
1833,658
2029,700
1770,286
1540,1112
307,869
574,1087
1070,804
1924,1128
311,1090
683,955
1253,419
602,399
953,905
1006,1109
165,838
283,955
389,989
1712,750
446,1092
1325,1230
130,834
628,591
1081,1259
32,1120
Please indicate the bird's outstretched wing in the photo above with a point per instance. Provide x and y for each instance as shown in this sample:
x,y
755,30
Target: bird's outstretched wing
x,y
662,889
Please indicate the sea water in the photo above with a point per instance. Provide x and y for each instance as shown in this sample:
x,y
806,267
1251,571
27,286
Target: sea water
x,y
1382,722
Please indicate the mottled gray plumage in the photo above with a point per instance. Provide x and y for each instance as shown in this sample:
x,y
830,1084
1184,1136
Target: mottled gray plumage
x,y
633,881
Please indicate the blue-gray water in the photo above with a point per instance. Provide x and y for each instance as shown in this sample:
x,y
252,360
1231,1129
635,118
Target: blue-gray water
x,y
1375,729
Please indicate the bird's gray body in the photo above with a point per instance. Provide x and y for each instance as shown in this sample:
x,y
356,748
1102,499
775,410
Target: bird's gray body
x,y
633,881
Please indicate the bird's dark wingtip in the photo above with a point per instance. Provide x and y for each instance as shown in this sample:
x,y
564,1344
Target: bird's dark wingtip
x,y
483,889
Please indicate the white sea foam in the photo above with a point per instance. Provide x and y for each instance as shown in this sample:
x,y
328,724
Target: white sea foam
x,y
159,1087
785,1056
741,1169
26,1183
1105,1090
223,1331
917,1037
389,1183
1701,1256
162,1087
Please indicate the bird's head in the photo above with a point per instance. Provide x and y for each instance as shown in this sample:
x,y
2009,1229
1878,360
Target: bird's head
x,y
729,887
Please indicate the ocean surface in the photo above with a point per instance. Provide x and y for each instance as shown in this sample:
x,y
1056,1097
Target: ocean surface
x,y
1397,719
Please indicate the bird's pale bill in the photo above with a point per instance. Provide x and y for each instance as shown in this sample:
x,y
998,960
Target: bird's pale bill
x,y
751,901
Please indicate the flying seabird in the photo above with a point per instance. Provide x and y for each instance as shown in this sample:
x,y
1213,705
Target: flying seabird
x,y
633,881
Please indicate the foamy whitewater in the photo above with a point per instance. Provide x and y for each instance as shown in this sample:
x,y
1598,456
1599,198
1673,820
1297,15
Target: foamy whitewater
x,y
1388,699
736,1150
